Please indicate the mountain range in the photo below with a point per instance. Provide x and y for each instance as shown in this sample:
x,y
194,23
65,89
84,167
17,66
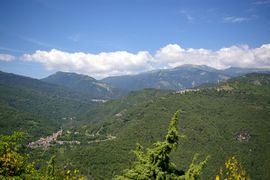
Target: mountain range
x,y
229,119
220,120
179,78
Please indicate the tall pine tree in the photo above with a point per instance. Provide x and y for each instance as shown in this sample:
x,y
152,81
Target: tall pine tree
x,y
155,163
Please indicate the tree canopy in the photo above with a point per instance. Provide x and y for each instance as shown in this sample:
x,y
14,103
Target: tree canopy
x,y
13,163
155,163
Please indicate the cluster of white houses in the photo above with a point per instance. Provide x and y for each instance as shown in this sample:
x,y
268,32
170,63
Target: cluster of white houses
x,y
187,90
46,141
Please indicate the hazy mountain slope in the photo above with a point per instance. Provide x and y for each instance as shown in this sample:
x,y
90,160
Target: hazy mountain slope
x,y
182,77
83,84
234,71
41,99
213,120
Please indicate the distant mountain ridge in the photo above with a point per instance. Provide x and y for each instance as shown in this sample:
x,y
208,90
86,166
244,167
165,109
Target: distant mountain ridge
x,y
28,93
83,84
234,71
213,120
182,77
37,107
9,80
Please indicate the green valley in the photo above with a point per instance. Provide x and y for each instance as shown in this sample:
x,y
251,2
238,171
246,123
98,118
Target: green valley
x,y
221,121
134,90
231,119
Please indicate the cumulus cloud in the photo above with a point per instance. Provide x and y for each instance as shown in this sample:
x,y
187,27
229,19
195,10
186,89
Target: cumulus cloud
x,y
243,56
7,57
96,65
172,55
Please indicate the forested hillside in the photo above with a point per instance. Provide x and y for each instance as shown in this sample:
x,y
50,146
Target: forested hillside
x,y
134,90
231,119
36,107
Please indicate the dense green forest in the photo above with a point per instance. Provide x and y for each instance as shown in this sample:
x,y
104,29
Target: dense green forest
x,y
155,163
36,107
229,119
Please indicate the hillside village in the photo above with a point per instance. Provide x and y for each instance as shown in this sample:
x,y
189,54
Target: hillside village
x,y
186,91
45,142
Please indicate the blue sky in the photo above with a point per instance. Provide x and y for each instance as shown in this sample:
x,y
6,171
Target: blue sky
x,y
113,37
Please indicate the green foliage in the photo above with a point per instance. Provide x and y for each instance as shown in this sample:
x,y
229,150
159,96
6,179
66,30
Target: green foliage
x,y
111,108
195,169
51,168
36,107
155,163
40,98
73,175
211,119
12,119
13,164
233,170
55,172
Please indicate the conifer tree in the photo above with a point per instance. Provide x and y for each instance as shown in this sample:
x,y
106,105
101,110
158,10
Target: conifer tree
x,y
155,163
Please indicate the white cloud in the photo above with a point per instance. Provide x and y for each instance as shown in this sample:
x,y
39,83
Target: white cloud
x,y
96,65
122,62
173,55
7,57
234,19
